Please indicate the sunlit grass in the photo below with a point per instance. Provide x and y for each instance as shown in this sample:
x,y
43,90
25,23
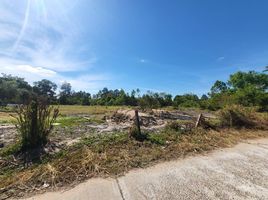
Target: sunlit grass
x,y
69,110
5,118
91,110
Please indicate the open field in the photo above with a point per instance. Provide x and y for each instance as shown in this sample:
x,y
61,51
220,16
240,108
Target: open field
x,y
90,110
72,110
67,110
95,142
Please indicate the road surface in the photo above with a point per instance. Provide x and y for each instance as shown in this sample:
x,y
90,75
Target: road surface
x,y
235,173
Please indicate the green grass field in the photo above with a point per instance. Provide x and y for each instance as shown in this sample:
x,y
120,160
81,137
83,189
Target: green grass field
x,y
70,110
91,110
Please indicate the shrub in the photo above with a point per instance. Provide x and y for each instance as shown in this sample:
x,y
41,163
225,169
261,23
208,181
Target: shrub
x,y
236,116
34,122
173,125
179,125
134,133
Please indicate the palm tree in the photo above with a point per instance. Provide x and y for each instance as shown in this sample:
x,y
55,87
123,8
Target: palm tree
x,y
266,70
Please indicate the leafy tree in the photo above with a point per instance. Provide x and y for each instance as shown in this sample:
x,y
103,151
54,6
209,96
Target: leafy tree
x,y
45,88
246,88
14,90
240,80
148,101
66,88
186,100
80,98
204,97
65,93
218,87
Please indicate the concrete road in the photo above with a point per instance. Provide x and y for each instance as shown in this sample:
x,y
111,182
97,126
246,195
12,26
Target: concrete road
x,y
236,173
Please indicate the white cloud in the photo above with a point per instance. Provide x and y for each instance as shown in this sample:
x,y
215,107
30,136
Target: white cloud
x,y
30,73
87,82
40,33
37,70
220,58
38,39
143,60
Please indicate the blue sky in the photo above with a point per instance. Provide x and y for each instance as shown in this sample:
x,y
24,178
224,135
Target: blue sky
x,y
176,46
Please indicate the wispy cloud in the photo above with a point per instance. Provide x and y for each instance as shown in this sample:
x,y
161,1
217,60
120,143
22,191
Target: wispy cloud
x,y
142,60
86,82
220,58
39,40
94,82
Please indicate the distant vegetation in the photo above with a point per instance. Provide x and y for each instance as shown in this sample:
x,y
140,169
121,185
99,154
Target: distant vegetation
x,y
242,88
40,156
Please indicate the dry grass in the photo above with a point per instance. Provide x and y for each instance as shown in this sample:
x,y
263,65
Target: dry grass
x,y
5,117
238,116
115,154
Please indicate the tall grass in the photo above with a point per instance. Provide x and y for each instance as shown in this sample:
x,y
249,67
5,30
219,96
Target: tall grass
x,y
34,122
238,116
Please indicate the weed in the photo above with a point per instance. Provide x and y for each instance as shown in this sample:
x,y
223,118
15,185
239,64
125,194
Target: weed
x,y
34,123
236,116
157,139
179,126
134,132
10,149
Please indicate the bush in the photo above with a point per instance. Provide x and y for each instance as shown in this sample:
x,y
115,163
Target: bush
x,y
236,116
180,125
134,133
34,123
173,125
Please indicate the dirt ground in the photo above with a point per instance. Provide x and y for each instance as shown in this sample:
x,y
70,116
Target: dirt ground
x,y
119,120
150,120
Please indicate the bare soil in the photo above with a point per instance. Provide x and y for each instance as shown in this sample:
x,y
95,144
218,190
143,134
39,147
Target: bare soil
x,y
120,120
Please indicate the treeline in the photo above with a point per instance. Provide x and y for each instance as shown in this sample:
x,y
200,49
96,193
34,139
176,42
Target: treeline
x,y
244,88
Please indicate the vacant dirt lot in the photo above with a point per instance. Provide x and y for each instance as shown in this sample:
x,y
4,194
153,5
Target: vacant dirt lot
x,y
76,122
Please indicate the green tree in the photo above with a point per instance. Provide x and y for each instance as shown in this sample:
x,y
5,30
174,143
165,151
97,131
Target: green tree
x,y
186,100
14,89
218,87
240,80
45,88
65,93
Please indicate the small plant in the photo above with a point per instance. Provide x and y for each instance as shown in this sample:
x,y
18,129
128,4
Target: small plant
x,y
179,125
173,125
157,139
134,133
34,122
